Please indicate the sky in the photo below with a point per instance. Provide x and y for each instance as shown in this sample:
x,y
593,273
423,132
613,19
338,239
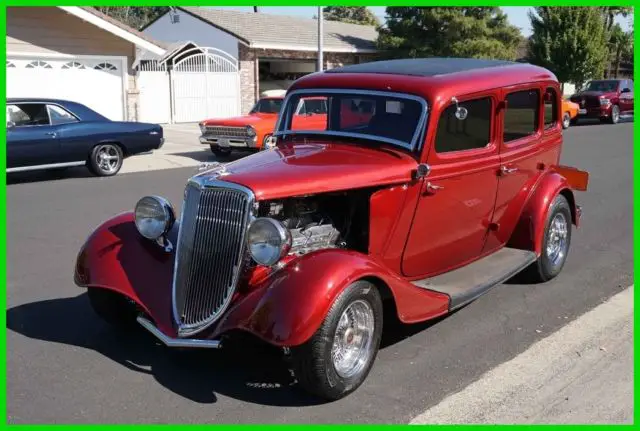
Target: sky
x,y
517,14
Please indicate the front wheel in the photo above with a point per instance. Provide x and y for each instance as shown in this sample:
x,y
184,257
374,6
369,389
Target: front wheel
x,y
218,152
556,242
106,160
566,120
615,115
112,307
339,356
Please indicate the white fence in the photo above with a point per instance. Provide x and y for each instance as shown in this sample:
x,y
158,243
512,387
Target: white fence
x,y
200,83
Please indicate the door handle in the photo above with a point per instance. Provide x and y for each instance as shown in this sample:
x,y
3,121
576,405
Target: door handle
x,y
504,170
432,188
52,134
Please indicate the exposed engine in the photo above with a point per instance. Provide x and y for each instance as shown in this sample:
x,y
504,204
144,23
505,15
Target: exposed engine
x,y
317,222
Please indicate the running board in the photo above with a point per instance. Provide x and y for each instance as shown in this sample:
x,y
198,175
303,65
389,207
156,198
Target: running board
x,y
469,282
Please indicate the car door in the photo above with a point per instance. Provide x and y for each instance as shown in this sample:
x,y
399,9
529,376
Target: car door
x,y
31,138
457,198
626,97
529,139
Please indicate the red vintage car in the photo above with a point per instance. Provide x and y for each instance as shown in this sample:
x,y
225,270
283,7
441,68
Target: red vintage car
x,y
449,184
606,99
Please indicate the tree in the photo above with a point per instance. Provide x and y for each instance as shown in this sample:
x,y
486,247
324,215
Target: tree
x,y
569,41
134,16
621,46
611,12
352,14
478,32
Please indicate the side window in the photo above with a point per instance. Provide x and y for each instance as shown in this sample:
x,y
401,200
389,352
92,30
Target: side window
x,y
522,114
550,108
28,114
471,133
59,115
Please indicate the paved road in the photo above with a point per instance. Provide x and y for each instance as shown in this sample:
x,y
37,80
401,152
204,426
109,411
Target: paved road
x,y
64,365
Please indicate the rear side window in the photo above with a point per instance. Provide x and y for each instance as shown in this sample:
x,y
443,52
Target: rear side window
x,y
522,114
550,108
471,133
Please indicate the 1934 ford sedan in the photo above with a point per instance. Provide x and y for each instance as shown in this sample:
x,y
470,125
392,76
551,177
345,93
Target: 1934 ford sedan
x,y
431,181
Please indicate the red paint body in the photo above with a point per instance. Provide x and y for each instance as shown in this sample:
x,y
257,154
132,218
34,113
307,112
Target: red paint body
x,y
413,232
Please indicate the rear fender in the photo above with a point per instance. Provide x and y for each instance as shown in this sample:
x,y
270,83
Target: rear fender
x,y
118,258
529,231
287,308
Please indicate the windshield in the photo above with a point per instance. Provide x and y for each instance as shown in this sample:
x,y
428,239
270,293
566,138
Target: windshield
x,y
267,106
603,86
386,117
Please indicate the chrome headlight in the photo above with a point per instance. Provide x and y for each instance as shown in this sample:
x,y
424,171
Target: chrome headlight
x,y
604,101
268,241
251,132
203,128
154,217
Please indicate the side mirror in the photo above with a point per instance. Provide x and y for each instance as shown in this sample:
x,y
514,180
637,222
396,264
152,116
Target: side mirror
x,y
461,112
422,171
10,124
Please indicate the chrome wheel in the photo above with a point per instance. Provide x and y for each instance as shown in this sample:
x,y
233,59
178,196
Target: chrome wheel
x,y
352,344
557,239
615,114
107,158
566,120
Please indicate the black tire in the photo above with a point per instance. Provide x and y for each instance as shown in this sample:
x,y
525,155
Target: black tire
x,y
614,118
547,266
312,362
106,168
566,120
112,307
219,152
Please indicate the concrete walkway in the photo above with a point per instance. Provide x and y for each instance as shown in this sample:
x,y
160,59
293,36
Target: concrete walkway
x,y
581,374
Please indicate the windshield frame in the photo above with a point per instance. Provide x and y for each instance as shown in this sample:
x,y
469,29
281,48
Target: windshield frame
x,y
414,145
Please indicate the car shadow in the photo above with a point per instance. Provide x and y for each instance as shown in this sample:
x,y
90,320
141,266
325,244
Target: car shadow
x,y
595,121
48,175
246,369
207,156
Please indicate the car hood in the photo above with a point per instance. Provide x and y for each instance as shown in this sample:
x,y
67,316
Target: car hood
x,y
245,120
316,167
595,94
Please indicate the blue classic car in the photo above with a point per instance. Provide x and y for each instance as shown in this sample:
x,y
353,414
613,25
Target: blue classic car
x,y
49,134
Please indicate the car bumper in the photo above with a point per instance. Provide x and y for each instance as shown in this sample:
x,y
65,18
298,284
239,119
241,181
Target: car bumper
x,y
189,343
597,112
224,142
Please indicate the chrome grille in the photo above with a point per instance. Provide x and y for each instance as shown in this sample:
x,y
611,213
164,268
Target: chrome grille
x,y
209,254
228,132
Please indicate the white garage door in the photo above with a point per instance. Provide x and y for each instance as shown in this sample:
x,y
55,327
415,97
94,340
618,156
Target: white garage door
x,y
97,82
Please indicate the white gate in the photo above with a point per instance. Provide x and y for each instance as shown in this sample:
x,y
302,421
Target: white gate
x,y
154,101
205,84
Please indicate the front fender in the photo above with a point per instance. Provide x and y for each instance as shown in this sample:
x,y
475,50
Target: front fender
x,y
529,231
287,308
117,257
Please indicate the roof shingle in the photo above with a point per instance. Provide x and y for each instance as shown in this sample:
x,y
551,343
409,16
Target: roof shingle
x,y
288,32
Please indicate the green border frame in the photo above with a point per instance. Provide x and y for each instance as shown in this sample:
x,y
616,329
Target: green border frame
x,y
3,190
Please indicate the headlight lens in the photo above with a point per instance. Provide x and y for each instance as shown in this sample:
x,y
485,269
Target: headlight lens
x,y
154,216
268,241
604,101
203,128
251,132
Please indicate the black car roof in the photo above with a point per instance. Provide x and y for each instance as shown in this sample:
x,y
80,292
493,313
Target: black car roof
x,y
78,109
422,66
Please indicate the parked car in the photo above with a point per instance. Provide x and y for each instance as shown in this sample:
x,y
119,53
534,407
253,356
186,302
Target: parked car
x,y
54,133
452,185
569,113
253,132
605,99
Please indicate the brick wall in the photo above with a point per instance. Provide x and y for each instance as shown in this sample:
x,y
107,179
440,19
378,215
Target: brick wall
x,y
248,67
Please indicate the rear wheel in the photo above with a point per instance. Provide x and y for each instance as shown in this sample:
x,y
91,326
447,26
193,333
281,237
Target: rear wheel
x,y
339,356
556,242
112,307
106,160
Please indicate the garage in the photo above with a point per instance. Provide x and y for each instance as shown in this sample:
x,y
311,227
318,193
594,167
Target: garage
x,y
97,82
